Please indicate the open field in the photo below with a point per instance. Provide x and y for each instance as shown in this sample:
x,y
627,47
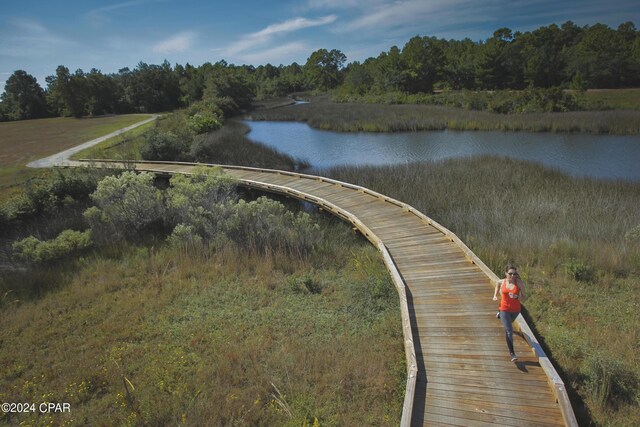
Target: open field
x,y
613,99
28,140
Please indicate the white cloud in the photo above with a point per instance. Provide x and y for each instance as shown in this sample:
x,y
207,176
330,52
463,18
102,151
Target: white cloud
x,y
294,25
28,38
278,55
99,16
337,4
399,14
178,43
32,27
263,37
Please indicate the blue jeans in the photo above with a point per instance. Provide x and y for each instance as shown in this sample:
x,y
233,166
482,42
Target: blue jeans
x,y
507,318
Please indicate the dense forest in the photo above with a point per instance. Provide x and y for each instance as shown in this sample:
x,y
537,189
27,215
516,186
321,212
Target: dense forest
x,y
566,56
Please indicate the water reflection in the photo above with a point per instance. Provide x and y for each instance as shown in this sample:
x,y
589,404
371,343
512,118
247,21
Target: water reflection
x,y
599,156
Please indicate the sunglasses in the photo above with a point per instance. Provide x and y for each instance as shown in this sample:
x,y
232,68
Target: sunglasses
x,y
512,274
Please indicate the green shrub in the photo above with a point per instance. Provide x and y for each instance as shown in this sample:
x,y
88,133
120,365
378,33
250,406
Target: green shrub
x,y
126,205
204,117
36,251
609,381
198,200
304,284
579,271
184,237
266,225
203,123
165,145
50,191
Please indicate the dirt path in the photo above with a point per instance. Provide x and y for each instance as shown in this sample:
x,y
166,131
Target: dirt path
x,y
62,158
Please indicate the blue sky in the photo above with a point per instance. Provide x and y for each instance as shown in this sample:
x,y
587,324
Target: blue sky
x,y
38,35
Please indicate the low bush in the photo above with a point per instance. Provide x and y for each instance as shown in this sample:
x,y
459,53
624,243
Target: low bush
x,y
126,205
66,243
579,271
267,226
203,117
48,193
165,145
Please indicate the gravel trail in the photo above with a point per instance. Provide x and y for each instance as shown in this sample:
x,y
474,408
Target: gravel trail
x,y
62,158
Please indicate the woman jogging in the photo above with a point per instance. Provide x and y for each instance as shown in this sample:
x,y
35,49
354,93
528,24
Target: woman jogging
x,y
512,290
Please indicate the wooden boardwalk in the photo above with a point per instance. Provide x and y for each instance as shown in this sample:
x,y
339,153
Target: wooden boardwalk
x,y
458,370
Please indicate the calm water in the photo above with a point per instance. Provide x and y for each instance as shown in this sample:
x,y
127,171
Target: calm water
x,y
599,156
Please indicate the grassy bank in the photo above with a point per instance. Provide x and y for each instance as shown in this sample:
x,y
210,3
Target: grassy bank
x,y
28,140
121,147
531,100
322,113
227,146
577,242
612,99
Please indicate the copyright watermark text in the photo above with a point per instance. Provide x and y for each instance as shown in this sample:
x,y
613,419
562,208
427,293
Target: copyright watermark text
x,y
43,408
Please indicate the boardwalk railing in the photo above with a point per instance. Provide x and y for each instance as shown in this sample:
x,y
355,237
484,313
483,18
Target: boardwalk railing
x,y
170,168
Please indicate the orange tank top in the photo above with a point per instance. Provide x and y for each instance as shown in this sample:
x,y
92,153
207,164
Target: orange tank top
x,y
510,298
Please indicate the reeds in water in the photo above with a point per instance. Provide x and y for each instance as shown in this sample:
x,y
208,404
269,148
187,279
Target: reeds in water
x,y
321,113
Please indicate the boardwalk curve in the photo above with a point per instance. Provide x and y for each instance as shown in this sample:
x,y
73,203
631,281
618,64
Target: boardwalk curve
x,y
458,372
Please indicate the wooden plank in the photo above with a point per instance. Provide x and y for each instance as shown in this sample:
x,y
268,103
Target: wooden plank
x,y
474,417
423,228
490,393
427,392
521,412
482,371
524,385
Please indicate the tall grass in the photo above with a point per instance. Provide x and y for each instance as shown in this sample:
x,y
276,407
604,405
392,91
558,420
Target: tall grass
x,y
230,146
573,240
151,334
122,147
321,113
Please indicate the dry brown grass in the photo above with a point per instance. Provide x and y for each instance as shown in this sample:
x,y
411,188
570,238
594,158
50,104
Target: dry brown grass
x,y
24,141
157,337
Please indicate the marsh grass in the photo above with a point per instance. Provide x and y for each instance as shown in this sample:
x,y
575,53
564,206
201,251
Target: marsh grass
x,y
230,146
322,113
134,334
568,237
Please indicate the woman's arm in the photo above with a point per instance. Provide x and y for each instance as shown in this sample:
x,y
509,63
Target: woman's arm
x,y
495,291
523,294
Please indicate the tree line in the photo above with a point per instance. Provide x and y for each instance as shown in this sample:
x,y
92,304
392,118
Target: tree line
x,y
566,56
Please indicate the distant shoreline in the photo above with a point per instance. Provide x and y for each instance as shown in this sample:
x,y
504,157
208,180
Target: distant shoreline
x,y
323,113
